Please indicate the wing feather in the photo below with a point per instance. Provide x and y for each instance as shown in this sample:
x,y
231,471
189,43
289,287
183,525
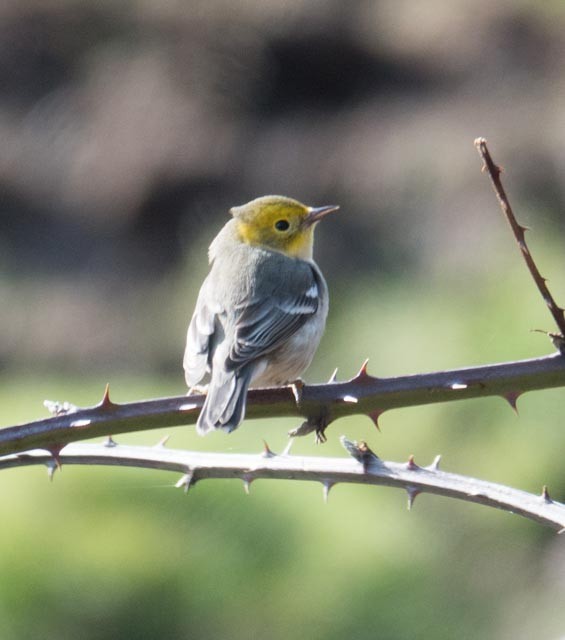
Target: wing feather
x,y
200,331
264,323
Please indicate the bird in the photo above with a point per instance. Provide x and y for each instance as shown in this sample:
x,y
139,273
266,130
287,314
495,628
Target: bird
x,y
260,312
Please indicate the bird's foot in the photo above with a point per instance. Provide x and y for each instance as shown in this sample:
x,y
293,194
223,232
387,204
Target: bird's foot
x,y
201,389
317,424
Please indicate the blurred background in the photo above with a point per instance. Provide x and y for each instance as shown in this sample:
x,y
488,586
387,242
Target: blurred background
x,y
127,130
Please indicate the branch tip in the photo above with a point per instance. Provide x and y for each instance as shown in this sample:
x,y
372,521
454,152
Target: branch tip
x,y
519,232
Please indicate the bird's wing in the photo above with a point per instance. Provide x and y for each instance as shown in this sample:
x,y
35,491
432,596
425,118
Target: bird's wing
x,y
271,317
200,331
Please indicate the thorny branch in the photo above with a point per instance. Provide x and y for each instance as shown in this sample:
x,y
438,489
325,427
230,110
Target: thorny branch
x,y
362,467
519,231
320,404
363,394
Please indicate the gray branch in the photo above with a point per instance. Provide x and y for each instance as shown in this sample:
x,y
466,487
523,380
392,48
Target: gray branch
x,y
362,467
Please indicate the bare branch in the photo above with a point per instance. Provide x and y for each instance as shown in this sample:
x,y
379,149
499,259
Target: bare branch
x,y
363,394
519,231
362,467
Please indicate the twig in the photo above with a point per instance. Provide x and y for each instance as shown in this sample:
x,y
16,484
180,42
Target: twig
x,y
519,231
362,467
363,394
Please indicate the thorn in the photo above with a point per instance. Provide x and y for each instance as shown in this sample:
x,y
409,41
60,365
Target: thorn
x,y
435,464
247,480
162,442
411,465
327,485
561,531
413,493
297,387
109,442
186,481
362,371
512,398
333,377
267,453
375,416
51,468
286,450
545,495
106,403
55,450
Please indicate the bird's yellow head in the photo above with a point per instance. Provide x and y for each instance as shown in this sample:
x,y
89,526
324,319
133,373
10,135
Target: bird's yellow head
x,y
279,223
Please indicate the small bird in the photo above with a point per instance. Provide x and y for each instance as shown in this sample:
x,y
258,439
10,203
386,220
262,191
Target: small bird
x,y
261,310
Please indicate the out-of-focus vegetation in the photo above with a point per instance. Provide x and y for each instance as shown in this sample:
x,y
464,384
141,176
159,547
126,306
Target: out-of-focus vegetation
x,y
127,130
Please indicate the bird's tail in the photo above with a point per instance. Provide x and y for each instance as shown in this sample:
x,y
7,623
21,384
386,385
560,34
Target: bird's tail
x,y
224,407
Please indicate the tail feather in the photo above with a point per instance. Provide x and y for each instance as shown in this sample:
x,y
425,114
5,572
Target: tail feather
x,y
224,407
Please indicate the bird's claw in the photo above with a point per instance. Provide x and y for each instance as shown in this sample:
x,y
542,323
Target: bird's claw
x,y
201,389
317,424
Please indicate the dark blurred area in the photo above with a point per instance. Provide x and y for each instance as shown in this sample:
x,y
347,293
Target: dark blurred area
x,y
128,129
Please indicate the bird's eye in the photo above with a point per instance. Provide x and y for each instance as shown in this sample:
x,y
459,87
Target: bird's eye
x,y
282,225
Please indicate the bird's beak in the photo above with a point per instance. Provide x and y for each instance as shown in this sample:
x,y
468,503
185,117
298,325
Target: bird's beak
x,y
315,214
